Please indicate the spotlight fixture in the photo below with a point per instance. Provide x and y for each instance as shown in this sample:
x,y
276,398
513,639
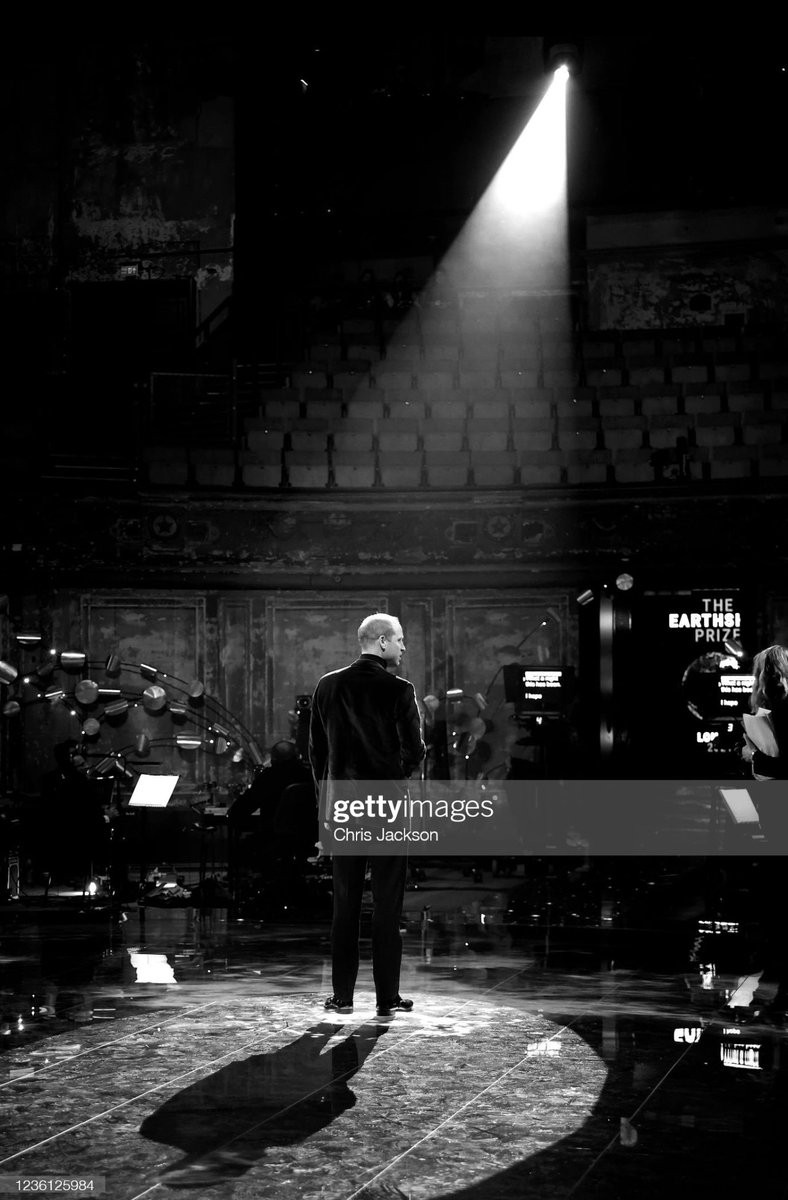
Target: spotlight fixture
x,y
624,582
117,709
29,639
72,660
143,743
562,52
734,647
187,741
86,691
154,698
7,673
148,672
112,666
11,708
91,728
585,597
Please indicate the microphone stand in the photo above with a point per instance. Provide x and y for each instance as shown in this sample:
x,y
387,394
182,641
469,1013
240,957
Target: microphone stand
x,y
522,642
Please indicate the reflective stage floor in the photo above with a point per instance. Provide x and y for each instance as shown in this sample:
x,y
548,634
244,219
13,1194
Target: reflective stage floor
x,y
579,1029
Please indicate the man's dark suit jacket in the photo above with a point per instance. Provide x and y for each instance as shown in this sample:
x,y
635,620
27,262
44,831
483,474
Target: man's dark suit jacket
x,y
364,724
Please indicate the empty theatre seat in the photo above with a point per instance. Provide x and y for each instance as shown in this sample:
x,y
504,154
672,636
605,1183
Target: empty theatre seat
x,y
532,433
445,434
306,468
519,375
348,375
393,378
493,468
478,374
353,433
453,404
322,405
265,435
494,406
444,468
314,375
541,468
530,401
310,434
261,468
353,468
399,469
623,433
280,402
405,404
166,465
367,402
487,434
578,433
398,434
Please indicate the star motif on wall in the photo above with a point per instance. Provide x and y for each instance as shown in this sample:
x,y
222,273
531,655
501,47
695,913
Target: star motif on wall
x,y
164,525
498,527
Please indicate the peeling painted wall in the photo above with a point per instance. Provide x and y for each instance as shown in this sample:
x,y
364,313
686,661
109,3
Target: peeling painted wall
x,y
665,269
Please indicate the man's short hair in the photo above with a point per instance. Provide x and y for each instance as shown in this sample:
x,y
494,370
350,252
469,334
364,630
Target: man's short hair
x,y
374,625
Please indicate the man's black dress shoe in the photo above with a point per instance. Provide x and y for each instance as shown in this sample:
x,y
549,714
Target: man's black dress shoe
x,y
396,1005
333,1004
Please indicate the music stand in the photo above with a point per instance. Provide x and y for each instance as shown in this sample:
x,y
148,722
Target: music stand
x,y
742,811
153,791
150,791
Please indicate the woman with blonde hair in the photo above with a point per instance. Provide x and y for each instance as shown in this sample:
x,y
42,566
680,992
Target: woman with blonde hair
x,y
770,695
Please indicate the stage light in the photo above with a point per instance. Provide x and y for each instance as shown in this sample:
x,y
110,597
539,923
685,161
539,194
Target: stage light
x,y
112,666
148,672
72,660
91,728
118,708
143,743
54,694
562,55
585,597
7,673
28,639
624,582
154,698
11,708
734,647
86,691
196,689
188,741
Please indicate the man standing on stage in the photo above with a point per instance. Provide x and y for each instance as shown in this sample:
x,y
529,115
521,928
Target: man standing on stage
x,y
365,724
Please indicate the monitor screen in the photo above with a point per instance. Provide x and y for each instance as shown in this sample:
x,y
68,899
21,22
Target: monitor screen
x,y
733,693
536,689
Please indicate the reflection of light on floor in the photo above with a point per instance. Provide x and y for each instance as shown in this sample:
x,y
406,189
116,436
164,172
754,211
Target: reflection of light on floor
x,y
543,1049
151,968
741,1054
